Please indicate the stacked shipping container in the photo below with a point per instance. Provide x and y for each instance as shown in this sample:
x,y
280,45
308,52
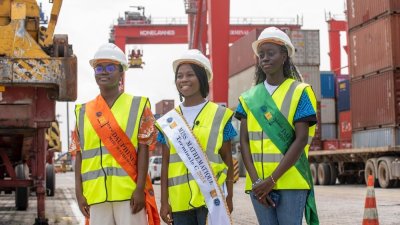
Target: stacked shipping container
x,y
307,60
328,111
343,112
374,34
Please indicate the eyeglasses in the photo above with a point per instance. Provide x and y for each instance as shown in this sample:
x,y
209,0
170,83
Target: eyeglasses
x,y
110,68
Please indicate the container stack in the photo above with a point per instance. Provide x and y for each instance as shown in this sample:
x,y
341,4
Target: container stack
x,y
343,112
328,111
374,34
307,60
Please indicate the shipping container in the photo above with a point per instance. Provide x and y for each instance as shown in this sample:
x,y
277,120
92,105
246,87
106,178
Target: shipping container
x,y
375,101
345,144
164,106
388,136
375,47
238,84
328,131
328,110
362,11
306,43
311,76
343,96
241,55
332,144
327,84
344,125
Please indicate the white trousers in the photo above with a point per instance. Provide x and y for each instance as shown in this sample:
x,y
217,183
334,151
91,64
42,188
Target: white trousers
x,y
116,213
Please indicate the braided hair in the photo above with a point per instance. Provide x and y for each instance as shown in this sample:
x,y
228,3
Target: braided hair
x,y
289,69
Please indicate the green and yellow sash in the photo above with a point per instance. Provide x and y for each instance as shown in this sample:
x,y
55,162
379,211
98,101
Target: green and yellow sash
x,y
278,129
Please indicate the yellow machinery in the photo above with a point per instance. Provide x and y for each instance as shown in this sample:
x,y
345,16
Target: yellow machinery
x,y
135,59
37,68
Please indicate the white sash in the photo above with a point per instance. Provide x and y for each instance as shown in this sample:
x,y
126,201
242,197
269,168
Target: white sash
x,y
190,151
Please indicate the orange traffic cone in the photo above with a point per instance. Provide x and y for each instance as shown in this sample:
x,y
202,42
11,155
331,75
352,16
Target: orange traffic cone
x,y
370,211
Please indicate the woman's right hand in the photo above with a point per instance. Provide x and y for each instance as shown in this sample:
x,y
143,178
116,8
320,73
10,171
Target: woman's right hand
x,y
83,206
166,213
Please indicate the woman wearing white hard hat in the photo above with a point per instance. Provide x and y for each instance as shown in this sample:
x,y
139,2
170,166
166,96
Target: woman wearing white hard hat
x,y
278,119
186,196
114,132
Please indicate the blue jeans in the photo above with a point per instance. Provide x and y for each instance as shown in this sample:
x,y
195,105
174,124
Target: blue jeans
x,y
196,216
289,208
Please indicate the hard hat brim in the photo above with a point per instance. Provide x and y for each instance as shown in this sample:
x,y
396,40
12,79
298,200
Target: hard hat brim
x,y
256,43
178,62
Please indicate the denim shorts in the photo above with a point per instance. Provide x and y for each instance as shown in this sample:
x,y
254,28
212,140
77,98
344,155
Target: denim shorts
x,y
289,208
196,216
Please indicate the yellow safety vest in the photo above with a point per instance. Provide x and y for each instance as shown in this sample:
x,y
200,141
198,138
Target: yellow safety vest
x,y
266,156
184,193
103,179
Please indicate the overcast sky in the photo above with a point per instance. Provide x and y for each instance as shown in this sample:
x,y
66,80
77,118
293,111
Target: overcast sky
x,y
87,24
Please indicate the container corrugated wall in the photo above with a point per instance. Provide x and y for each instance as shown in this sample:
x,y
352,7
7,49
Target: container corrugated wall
x,y
388,136
238,84
311,76
307,47
328,110
306,43
375,101
327,84
375,46
328,131
361,11
241,55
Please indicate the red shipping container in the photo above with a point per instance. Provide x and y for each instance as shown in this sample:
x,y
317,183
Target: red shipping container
x,y
344,125
332,144
375,101
345,144
375,46
361,11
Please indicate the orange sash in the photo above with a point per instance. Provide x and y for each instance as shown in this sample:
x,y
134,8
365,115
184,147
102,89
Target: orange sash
x,y
121,148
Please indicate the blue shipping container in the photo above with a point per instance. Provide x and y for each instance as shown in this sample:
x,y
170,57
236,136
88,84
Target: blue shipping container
x,y
327,84
343,101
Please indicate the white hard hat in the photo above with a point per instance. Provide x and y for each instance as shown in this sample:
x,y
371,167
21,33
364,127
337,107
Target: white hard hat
x,y
196,57
110,51
274,34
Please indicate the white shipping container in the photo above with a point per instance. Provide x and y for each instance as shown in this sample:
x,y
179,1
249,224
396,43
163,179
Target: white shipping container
x,y
306,43
388,136
311,75
238,84
328,110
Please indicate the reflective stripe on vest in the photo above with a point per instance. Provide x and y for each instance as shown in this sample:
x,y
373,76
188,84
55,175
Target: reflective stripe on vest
x,y
109,171
264,153
184,193
98,163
